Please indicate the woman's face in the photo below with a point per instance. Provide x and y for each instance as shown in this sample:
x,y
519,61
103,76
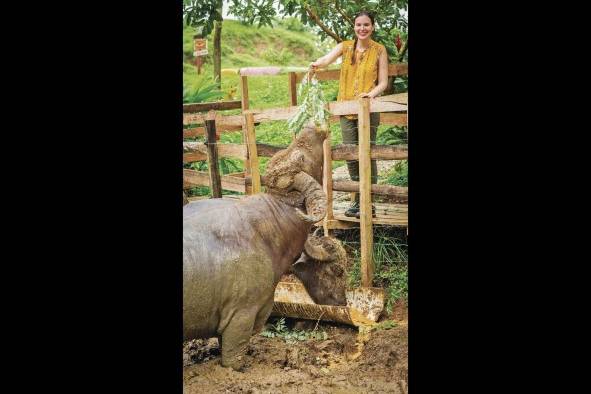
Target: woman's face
x,y
363,27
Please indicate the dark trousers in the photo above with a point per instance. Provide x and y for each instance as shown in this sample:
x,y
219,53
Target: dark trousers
x,y
350,133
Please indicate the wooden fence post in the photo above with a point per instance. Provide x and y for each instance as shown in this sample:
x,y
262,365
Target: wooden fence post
x,y
245,106
365,225
252,153
327,181
212,157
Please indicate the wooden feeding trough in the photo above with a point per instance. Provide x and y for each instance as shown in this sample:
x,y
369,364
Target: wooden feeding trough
x,y
363,308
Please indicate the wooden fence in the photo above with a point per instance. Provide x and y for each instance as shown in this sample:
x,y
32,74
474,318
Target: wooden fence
x,y
392,109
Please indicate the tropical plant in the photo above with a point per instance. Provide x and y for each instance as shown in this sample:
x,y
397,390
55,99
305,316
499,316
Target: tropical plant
x,y
201,90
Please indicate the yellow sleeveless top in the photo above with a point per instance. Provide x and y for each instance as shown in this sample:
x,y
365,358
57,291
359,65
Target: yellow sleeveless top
x,y
362,76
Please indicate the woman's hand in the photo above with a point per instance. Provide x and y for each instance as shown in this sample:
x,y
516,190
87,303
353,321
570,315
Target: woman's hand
x,y
366,95
314,65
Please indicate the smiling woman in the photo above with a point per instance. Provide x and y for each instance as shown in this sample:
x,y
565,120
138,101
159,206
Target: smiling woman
x,y
364,73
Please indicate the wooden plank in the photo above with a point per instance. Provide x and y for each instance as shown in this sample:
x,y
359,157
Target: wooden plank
x,y
378,152
327,181
252,154
192,178
351,107
394,69
212,160
400,98
268,114
399,192
335,224
386,214
397,69
336,108
393,119
198,151
293,89
194,156
200,131
399,221
365,226
220,120
218,106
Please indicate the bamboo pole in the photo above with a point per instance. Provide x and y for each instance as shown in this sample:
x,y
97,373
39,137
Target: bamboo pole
x,y
366,229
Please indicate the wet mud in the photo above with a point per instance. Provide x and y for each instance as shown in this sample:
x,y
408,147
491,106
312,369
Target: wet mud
x,y
349,361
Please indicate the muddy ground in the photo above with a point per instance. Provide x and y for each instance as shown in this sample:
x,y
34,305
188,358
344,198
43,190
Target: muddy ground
x,y
348,361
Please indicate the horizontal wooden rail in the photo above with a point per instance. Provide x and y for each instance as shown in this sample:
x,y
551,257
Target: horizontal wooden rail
x,y
192,178
399,192
378,152
218,105
393,119
350,107
200,131
197,151
220,120
394,69
224,150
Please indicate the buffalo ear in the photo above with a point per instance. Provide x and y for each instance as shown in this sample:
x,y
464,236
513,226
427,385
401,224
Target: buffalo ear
x,y
299,264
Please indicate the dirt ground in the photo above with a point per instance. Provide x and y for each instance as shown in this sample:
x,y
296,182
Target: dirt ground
x,y
348,361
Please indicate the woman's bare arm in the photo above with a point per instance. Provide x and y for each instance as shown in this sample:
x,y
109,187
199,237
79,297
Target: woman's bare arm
x,y
329,58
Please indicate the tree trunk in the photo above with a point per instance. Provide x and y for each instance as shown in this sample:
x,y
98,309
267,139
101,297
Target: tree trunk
x,y
217,52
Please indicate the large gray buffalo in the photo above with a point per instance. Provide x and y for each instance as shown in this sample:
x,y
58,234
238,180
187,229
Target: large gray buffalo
x,y
235,252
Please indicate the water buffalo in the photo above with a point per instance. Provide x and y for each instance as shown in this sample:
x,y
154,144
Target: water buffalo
x,y
235,252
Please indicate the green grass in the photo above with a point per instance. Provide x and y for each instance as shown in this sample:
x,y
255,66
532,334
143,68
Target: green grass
x,y
390,259
277,328
244,45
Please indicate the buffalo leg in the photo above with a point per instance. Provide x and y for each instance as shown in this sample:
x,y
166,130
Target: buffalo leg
x,y
235,339
263,315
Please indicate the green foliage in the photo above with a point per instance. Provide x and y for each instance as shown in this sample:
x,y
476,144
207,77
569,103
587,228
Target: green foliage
x,y
401,84
260,12
330,89
312,107
283,58
392,135
279,329
202,89
292,24
397,175
390,17
202,13
385,325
